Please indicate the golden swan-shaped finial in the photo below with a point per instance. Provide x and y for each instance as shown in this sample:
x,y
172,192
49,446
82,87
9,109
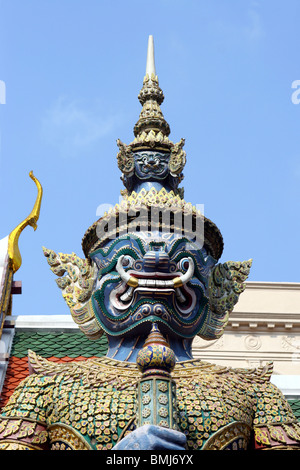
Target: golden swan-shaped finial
x,y
13,247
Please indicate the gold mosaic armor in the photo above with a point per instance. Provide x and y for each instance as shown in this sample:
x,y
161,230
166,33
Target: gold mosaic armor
x,y
92,405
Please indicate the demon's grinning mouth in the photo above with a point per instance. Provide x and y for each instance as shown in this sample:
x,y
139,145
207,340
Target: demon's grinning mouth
x,y
156,283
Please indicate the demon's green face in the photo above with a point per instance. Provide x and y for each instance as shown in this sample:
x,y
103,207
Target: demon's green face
x,y
151,278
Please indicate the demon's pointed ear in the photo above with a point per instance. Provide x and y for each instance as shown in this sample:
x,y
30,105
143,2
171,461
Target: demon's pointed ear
x,y
226,283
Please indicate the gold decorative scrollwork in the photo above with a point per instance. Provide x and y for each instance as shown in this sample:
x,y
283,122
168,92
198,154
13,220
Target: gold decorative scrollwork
x,y
63,437
235,434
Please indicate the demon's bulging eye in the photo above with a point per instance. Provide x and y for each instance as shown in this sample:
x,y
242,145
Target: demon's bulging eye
x,y
183,264
127,261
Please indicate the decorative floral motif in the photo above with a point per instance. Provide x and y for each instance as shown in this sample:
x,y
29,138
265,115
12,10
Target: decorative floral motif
x,y
162,387
146,412
163,412
146,399
163,399
145,387
164,423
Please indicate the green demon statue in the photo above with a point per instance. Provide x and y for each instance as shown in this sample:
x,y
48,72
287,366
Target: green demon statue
x,y
150,280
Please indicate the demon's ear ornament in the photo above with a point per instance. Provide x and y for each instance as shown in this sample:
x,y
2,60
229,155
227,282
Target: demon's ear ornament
x,y
225,284
177,158
77,278
125,158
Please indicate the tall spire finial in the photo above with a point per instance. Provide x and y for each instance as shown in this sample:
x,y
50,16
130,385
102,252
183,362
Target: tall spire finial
x,y
151,97
151,132
150,66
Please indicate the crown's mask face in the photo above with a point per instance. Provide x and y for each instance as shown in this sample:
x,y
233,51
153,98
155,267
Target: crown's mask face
x,y
145,280
151,168
150,165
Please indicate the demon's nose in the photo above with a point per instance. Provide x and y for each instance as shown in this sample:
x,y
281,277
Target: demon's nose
x,y
156,261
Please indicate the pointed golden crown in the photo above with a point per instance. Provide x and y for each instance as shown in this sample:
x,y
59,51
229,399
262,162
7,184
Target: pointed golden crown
x,y
151,130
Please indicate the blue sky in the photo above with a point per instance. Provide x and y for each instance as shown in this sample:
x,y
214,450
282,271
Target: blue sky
x,y
73,70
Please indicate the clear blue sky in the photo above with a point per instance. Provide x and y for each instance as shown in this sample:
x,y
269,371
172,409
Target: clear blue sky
x,y
73,70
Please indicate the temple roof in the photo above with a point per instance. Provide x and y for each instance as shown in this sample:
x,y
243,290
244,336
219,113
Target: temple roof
x,y
58,341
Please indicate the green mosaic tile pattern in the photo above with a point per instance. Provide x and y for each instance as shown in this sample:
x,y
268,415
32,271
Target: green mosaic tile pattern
x,y
295,405
57,344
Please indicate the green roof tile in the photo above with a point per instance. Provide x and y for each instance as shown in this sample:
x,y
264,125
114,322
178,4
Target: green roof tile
x,y
295,405
57,344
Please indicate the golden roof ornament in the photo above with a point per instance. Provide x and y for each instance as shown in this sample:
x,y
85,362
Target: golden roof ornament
x,y
13,247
